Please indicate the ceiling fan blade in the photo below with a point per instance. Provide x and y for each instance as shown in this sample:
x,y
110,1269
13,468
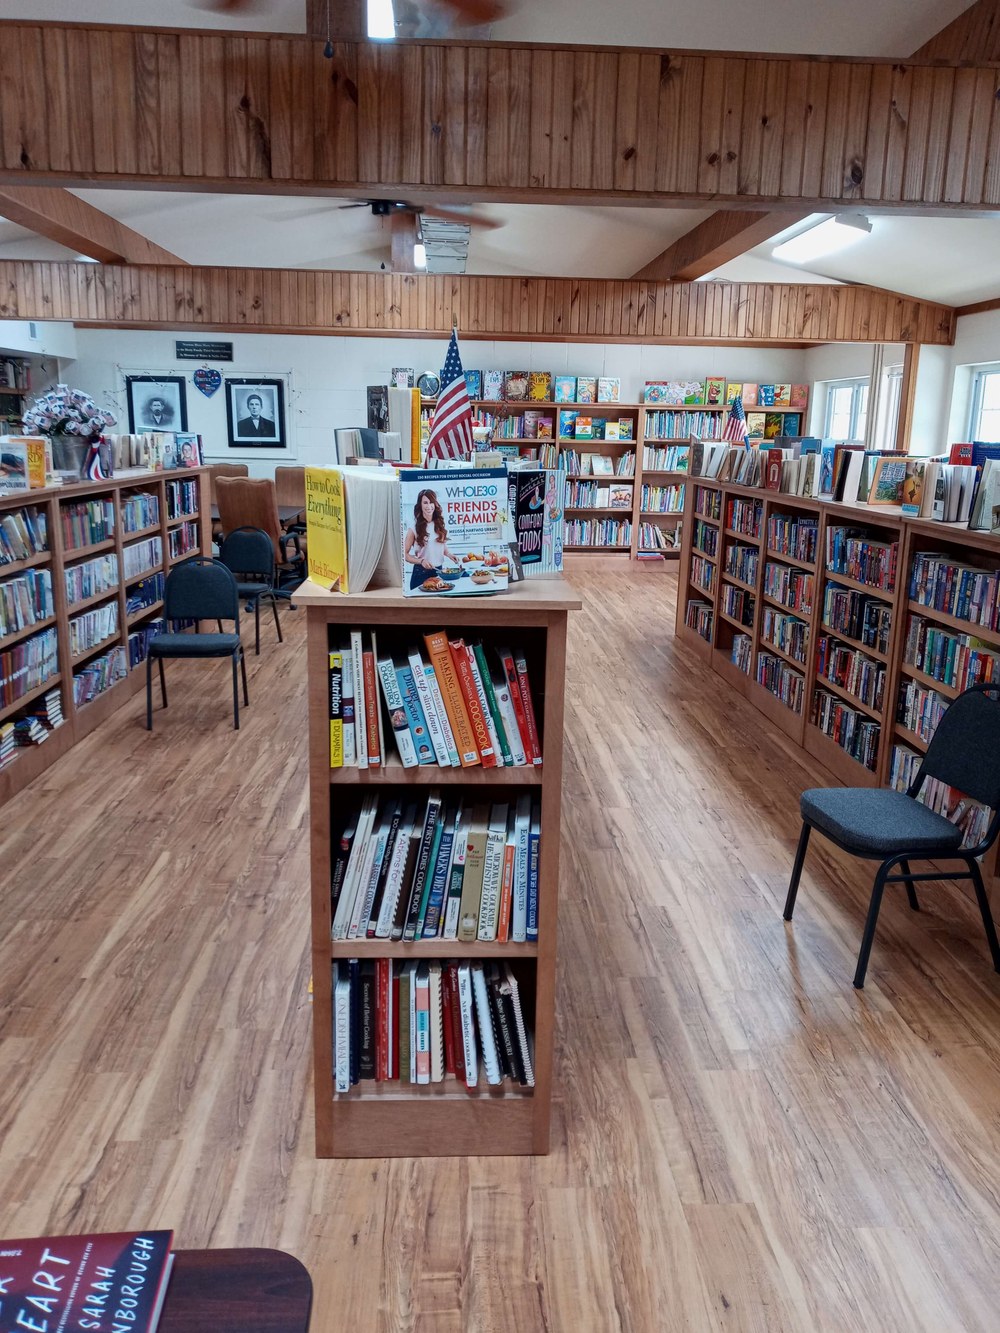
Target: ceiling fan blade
x,y
470,219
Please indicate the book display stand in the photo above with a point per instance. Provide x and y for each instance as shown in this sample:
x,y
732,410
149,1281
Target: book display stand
x,y
393,1118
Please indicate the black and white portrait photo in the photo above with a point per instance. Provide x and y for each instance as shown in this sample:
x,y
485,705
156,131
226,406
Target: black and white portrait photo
x,y
256,413
156,403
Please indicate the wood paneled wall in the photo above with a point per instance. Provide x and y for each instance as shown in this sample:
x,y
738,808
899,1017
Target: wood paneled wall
x,y
311,301
80,104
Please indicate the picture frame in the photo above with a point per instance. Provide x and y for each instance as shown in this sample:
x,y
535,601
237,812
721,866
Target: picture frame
x,y
251,399
156,402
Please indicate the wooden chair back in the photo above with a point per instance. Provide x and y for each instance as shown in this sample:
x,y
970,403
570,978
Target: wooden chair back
x,y
217,470
249,502
290,486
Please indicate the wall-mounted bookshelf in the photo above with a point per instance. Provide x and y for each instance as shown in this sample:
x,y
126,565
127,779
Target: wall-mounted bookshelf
x,y
387,1116
81,588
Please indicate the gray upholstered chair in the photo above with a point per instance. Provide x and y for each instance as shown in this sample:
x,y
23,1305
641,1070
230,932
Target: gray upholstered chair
x,y
198,589
894,828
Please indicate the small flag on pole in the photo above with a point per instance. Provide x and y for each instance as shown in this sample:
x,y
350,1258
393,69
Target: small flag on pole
x,y
451,426
735,429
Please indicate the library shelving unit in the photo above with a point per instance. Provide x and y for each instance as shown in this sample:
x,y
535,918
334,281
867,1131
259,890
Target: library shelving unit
x,y
837,651
103,539
390,1119
14,391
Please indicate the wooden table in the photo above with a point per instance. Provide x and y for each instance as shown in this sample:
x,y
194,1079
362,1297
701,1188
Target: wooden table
x,y
237,1291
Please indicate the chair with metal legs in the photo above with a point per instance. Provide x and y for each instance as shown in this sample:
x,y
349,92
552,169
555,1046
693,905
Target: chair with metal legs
x,y
894,828
249,555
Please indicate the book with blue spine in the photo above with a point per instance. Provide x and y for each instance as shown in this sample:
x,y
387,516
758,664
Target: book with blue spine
x,y
439,886
534,845
415,717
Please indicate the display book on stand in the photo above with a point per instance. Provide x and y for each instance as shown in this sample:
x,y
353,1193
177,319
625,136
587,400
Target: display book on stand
x,y
851,620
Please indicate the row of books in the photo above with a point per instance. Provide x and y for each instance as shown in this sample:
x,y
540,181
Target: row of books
x,y
700,616
99,675
661,499
860,556
786,632
741,655
674,459
15,373
594,532
852,670
742,562
791,587
140,510
781,680
579,426
920,709
682,425
703,573
705,538
93,627
716,391
852,730
86,522
953,658
461,708
422,1022
971,816
653,540
23,533
964,591
182,498
793,536
708,503
438,869
34,727
582,464
25,600
858,615
526,425
538,386
147,592
743,516
183,540
139,640
91,577
589,495
738,604
142,556
27,665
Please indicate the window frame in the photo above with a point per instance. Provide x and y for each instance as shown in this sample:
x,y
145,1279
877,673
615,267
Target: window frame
x,y
980,374
857,385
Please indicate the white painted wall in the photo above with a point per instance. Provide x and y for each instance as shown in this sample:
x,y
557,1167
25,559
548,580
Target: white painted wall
x,y
37,338
977,343
327,376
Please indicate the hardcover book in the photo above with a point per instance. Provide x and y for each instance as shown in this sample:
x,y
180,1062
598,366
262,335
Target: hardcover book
x,y
799,396
515,385
765,395
492,385
773,425
584,428
624,428
609,389
402,377
612,430
378,407
715,391
733,391
474,384
772,474
455,528
655,391
536,506
694,393
567,424
913,486
544,429
565,389
887,483
782,395
755,425
586,389
540,386
749,395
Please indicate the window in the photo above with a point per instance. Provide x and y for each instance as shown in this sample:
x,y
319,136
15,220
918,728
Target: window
x,y
984,422
887,409
846,410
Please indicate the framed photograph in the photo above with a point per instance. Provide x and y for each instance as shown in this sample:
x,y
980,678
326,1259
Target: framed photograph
x,y
255,412
156,402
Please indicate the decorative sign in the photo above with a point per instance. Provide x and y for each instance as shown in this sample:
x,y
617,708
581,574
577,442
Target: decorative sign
x,y
203,351
208,380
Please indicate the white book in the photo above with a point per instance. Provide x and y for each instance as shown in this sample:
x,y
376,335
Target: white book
x,y
347,692
342,1029
412,992
394,879
434,729
484,705
386,670
519,907
422,1022
360,712
465,1008
437,1023
359,853
522,1036
487,1037
437,703
489,902
368,880
453,902
509,719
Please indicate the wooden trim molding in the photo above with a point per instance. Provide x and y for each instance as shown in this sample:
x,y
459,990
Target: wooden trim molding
x,y
721,237
907,397
62,217
974,35
314,301
979,307
84,104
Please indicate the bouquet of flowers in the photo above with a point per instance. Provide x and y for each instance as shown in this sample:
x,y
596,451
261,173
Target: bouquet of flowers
x,y
66,411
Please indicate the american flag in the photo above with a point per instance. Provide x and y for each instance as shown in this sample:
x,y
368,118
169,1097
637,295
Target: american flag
x,y
451,427
735,429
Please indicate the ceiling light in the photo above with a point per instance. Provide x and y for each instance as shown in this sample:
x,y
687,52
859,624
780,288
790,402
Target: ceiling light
x,y
381,20
419,255
87,259
823,238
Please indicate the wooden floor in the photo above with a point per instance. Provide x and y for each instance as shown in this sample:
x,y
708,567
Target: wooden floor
x,y
741,1140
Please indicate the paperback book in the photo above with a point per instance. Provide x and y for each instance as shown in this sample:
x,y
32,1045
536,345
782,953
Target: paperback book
x,y
456,529
536,500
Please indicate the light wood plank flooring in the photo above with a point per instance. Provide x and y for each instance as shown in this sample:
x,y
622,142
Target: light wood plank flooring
x,y
742,1142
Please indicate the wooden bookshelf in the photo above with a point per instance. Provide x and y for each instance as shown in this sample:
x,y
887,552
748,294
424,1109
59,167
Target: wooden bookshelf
x,y
912,536
78,721
393,1119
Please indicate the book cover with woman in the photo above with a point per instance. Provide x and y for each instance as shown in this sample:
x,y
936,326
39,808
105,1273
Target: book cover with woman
x,y
455,525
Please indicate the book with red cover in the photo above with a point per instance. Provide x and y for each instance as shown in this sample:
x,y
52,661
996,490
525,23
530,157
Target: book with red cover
x,y
960,453
446,1025
772,474
510,671
521,664
76,1282
506,893
470,694
454,1019
371,710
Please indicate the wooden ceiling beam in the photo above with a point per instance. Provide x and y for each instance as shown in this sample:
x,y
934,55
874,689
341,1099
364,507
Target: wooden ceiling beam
x,y
61,216
593,310
403,227
974,37
721,237
339,19
411,120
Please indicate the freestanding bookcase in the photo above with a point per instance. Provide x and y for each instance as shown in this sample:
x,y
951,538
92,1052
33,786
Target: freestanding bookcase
x,y
390,1119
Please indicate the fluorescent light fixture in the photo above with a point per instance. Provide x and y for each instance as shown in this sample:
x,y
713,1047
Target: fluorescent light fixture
x,y
823,238
419,255
381,20
87,259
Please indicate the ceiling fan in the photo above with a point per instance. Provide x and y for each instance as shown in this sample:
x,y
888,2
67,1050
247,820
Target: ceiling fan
x,y
384,208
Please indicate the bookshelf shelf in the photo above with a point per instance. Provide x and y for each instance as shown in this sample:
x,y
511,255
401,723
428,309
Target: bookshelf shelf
x,y
825,683
780,557
852,642
390,1118
736,624
766,646
135,616
921,677
910,737
743,538
738,582
832,576
955,622
779,605
50,502
145,573
606,550
178,520
10,639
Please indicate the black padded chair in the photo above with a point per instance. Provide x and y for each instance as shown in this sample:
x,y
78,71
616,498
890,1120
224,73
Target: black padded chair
x,y
894,828
249,554
198,589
